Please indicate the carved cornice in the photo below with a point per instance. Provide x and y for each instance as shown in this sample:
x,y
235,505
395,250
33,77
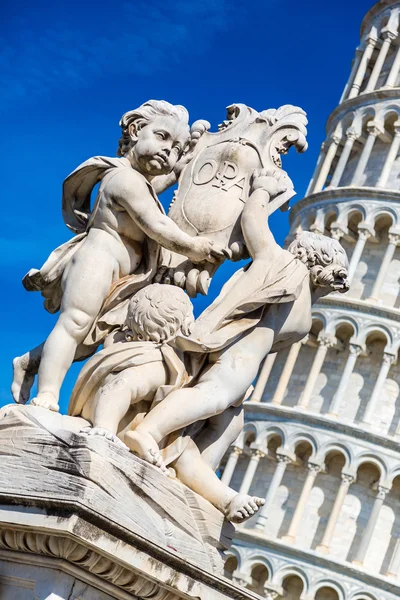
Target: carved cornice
x,y
41,543
322,421
363,99
360,306
345,194
310,557
86,558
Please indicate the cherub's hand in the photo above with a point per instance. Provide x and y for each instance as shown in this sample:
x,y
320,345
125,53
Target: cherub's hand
x,y
270,180
204,249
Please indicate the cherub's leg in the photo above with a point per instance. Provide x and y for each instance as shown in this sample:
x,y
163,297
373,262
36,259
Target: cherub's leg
x,y
86,285
220,432
110,403
222,385
26,367
194,472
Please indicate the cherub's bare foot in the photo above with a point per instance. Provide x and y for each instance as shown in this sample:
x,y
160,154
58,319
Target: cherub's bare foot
x,y
144,445
23,380
103,432
46,400
243,507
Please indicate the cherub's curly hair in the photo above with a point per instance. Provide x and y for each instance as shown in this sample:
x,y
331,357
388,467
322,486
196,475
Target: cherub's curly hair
x,y
158,312
145,114
324,257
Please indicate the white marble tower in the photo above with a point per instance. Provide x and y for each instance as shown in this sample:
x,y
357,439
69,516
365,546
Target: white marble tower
x,y
322,434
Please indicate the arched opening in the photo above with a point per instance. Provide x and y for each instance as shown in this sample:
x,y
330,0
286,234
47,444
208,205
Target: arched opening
x,y
349,241
302,364
242,461
351,175
230,566
293,586
274,442
326,491
295,478
362,496
334,368
326,593
303,450
330,218
370,264
391,561
369,367
259,576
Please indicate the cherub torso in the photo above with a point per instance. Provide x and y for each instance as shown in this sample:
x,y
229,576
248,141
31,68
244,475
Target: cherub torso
x,y
114,228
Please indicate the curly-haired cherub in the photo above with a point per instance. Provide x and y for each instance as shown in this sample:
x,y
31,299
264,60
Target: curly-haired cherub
x,y
120,384
263,308
79,277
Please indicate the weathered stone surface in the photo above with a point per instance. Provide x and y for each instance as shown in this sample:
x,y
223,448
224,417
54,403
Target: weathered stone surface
x,y
90,503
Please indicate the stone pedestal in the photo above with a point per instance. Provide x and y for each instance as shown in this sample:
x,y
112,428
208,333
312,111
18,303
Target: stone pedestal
x,y
81,517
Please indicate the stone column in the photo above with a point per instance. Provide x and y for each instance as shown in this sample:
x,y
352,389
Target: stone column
x,y
354,70
313,471
255,457
242,579
366,57
287,371
394,566
263,377
346,482
326,166
283,462
231,465
391,157
351,136
354,353
388,37
370,528
388,360
394,71
325,341
320,162
373,132
337,232
394,239
319,222
363,236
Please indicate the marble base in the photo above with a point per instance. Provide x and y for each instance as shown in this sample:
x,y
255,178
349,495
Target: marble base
x,y
80,517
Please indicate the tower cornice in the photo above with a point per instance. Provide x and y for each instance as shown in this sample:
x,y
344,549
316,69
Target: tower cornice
x,y
363,99
345,194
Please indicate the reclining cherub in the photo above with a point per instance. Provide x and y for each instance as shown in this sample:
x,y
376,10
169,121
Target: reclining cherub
x,y
263,308
120,384
117,250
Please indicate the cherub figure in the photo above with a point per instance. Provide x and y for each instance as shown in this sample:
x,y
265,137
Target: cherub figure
x,y
263,308
122,382
119,242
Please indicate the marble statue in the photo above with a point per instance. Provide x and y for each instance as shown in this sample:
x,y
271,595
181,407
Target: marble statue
x,y
165,386
118,242
120,384
263,308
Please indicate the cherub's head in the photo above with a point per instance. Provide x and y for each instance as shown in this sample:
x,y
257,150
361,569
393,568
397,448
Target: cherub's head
x,y
154,136
159,312
325,258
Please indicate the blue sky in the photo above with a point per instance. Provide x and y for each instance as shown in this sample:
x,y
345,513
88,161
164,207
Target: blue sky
x,y
70,69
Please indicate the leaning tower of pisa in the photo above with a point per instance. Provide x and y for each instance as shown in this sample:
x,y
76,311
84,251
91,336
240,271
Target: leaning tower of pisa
x,y
322,436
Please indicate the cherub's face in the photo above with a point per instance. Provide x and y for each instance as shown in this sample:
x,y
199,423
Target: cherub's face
x,y
160,144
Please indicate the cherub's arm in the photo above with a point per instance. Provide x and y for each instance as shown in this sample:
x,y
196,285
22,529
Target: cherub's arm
x,y
259,239
132,193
